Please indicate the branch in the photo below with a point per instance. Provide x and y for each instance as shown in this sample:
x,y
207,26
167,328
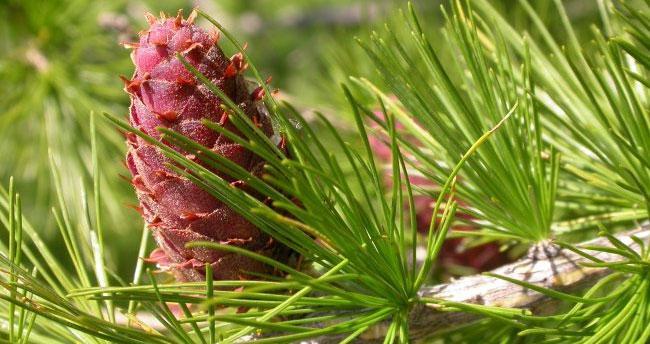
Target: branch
x,y
545,265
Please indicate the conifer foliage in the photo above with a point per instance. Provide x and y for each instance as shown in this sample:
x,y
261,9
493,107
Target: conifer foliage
x,y
543,136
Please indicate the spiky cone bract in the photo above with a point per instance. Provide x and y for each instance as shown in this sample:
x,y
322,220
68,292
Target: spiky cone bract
x,y
165,94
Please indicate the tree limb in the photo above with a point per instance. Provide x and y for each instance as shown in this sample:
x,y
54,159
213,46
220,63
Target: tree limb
x,y
545,265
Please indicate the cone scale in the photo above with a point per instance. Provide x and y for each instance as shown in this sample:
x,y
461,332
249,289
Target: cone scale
x,y
165,94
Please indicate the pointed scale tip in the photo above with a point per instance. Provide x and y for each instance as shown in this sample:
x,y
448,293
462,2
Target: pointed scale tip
x,y
257,94
192,17
178,22
192,216
237,65
192,47
125,80
137,208
151,19
130,85
130,45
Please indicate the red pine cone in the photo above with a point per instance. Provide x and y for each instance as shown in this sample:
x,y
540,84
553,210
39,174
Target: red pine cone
x,y
165,94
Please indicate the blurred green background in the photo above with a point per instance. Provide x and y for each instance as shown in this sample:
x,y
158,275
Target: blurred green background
x,y
61,60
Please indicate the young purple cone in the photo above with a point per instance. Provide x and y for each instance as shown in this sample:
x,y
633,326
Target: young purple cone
x,y
165,94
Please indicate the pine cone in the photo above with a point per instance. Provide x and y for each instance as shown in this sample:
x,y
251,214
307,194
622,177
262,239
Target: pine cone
x,y
165,94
